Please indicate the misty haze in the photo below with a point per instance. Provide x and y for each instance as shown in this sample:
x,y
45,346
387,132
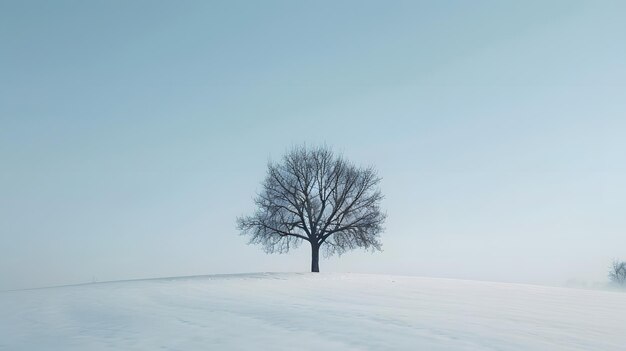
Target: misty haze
x,y
328,175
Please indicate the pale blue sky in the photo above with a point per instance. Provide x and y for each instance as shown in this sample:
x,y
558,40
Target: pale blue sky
x,y
134,132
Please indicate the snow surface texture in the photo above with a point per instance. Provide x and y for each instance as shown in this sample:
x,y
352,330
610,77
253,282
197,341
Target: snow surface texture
x,y
294,311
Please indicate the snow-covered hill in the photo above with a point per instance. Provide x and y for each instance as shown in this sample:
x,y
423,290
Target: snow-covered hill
x,y
293,311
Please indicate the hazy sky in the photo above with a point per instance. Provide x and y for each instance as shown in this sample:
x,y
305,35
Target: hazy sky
x,y
133,133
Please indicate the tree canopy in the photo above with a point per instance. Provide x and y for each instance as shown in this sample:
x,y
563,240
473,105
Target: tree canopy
x,y
316,196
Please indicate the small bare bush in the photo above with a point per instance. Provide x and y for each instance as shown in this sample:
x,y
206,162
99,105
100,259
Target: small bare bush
x,y
617,273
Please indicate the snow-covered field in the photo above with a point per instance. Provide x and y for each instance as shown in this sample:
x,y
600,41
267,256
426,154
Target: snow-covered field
x,y
291,311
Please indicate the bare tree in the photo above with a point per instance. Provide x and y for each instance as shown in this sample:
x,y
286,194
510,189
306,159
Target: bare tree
x,y
617,272
316,196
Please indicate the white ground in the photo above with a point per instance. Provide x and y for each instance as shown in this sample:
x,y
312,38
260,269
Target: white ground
x,y
311,312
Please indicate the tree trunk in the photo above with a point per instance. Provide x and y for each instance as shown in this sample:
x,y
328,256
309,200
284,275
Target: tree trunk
x,y
315,258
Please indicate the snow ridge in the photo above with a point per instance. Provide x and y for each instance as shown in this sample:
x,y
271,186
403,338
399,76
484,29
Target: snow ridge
x,y
304,311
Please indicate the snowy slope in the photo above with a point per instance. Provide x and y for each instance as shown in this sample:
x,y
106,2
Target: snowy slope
x,y
293,311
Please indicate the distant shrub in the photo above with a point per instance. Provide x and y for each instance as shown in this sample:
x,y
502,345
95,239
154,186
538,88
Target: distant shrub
x,y
617,273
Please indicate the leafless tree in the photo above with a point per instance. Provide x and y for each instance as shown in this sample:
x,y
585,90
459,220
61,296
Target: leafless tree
x,y
315,196
617,272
